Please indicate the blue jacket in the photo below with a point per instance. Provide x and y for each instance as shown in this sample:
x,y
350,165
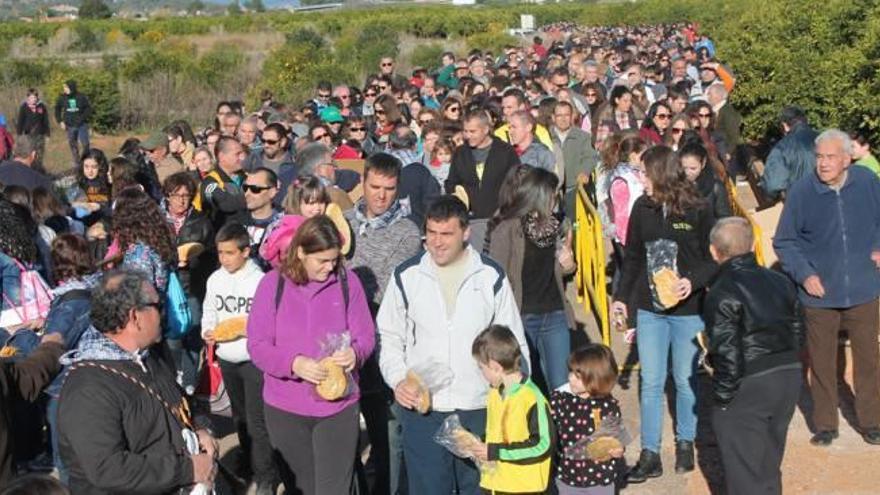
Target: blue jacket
x,y
832,234
793,157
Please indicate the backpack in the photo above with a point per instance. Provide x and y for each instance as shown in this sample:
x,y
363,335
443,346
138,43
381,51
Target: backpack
x,y
178,318
34,299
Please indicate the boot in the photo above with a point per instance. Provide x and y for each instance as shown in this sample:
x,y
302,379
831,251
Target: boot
x,y
649,466
684,456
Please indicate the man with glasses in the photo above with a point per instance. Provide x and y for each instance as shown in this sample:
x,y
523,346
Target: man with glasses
x,y
370,94
343,92
112,374
579,159
322,97
156,149
559,80
249,135
274,154
386,69
260,188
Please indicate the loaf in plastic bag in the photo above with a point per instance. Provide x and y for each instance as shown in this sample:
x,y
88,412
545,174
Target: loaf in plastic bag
x,y
338,383
461,442
663,273
428,378
609,436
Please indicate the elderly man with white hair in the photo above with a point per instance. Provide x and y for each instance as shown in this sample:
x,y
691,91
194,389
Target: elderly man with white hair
x,y
728,121
828,241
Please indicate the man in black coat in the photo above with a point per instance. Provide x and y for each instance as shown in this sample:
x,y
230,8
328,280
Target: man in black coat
x,y
73,112
480,168
755,331
122,421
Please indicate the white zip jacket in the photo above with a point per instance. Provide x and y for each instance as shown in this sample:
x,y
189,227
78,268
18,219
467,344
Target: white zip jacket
x,y
414,327
229,295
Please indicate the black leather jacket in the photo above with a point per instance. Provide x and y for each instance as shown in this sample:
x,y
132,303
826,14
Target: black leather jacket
x,y
754,324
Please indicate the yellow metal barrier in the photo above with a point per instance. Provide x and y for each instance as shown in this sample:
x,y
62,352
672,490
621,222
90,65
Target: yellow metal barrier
x,y
589,251
739,211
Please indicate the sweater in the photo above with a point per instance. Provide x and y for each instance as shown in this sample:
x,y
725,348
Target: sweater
x,y
32,122
832,234
306,316
230,295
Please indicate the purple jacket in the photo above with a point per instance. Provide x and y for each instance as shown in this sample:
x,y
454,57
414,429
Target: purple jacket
x,y
307,313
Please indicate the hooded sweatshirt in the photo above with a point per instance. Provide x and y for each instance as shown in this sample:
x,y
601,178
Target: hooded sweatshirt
x,y
230,295
72,110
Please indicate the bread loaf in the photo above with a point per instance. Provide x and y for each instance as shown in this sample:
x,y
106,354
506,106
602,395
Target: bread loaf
x,y
335,385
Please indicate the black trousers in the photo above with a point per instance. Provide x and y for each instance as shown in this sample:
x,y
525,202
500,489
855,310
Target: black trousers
x,y
244,384
752,430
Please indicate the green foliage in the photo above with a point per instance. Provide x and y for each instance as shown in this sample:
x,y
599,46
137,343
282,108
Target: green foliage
x,y
100,87
255,5
427,55
86,39
94,9
233,8
494,39
306,36
195,6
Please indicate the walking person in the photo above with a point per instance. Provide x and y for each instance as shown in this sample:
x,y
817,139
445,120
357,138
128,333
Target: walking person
x,y
33,121
311,298
827,242
671,209
755,330
72,112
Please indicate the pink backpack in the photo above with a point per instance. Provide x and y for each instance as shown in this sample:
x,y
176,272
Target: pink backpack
x,y
35,297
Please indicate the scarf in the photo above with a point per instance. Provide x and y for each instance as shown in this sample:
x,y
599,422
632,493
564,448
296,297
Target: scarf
x,y
95,346
398,210
542,234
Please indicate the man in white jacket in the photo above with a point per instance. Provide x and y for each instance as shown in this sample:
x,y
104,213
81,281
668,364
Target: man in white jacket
x,y
228,299
433,308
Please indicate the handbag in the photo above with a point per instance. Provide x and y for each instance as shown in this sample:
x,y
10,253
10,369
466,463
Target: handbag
x,y
35,298
211,386
178,318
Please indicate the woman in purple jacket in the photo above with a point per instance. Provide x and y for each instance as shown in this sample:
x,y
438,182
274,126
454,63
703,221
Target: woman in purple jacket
x,y
318,298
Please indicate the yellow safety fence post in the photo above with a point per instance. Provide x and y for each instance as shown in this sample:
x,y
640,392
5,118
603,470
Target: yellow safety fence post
x,y
739,211
589,252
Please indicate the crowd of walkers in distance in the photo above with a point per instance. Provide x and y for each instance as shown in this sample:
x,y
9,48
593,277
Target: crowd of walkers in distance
x,y
251,269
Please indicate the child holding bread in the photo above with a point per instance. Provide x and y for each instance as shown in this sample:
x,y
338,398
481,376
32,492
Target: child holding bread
x,y
578,409
519,430
228,299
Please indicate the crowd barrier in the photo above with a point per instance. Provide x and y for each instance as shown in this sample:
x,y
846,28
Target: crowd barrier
x,y
739,211
589,250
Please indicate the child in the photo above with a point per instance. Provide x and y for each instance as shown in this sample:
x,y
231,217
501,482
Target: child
x,y
229,296
519,432
441,160
591,377
93,201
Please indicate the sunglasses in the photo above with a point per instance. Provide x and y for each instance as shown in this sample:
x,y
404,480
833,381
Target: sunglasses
x,y
358,129
370,95
704,115
387,64
677,130
425,121
662,116
344,97
271,142
255,189
591,95
379,112
320,136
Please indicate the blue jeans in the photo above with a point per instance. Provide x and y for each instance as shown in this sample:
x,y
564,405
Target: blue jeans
x,y
75,136
658,333
430,468
549,345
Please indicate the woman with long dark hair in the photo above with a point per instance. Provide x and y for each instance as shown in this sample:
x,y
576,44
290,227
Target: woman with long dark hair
x,y
311,298
656,122
143,236
92,177
534,248
673,211
707,174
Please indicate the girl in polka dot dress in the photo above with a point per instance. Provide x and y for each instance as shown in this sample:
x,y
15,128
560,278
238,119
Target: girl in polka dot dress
x,y
575,407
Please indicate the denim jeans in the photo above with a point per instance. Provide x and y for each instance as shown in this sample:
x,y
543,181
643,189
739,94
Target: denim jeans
x,y
75,136
549,346
658,333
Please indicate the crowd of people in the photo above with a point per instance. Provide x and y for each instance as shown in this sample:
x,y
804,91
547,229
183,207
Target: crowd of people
x,y
250,267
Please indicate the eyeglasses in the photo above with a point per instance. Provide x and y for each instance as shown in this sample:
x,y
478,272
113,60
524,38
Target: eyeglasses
x,y
662,116
358,129
319,136
323,95
677,130
591,95
370,95
704,115
251,188
383,87
425,121
271,142
379,111
387,64
344,97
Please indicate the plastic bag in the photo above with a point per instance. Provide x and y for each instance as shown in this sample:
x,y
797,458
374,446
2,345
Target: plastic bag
x,y
458,440
429,377
610,435
663,273
339,383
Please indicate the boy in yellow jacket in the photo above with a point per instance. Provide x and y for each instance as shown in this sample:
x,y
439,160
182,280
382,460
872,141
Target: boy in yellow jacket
x,y
519,429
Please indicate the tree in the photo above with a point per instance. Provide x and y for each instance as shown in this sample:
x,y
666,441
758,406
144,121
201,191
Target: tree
x,y
195,7
94,9
255,6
